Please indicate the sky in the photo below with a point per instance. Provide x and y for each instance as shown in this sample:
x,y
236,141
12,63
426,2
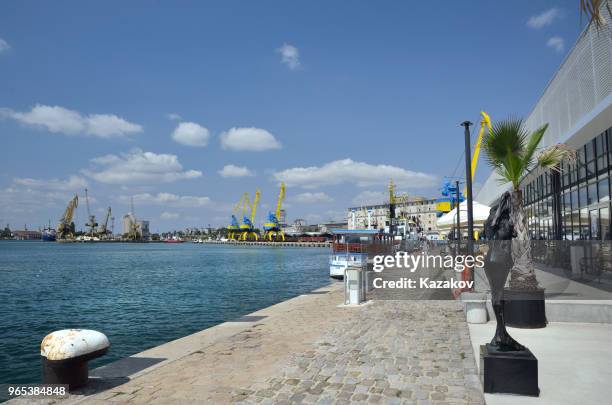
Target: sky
x,y
184,106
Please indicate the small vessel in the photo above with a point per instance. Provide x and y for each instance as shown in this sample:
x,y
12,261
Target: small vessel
x,y
48,234
351,247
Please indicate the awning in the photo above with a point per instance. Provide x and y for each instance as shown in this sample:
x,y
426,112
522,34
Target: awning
x,y
448,220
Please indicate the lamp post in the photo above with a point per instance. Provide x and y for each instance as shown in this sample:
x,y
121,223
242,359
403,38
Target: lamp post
x,y
468,191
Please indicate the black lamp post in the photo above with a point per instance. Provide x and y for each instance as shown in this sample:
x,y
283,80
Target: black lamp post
x,y
468,191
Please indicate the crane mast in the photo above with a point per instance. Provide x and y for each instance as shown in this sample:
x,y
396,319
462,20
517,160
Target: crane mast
x,y
104,227
272,226
63,228
91,223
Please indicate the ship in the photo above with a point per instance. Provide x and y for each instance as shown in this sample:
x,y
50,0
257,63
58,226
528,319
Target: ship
x,y
48,234
353,247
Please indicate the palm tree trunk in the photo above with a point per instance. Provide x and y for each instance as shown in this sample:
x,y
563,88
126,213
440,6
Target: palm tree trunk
x,y
522,276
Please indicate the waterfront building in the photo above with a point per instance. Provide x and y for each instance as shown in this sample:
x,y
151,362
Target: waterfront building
x,y
422,211
143,226
27,235
577,105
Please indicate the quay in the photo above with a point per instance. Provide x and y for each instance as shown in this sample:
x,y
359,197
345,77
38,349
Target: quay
x,y
268,243
308,349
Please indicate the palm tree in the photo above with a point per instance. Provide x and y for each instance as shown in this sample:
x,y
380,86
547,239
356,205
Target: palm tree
x,y
511,151
593,10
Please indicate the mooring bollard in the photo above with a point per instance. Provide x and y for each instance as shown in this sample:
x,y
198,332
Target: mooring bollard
x,y
65,354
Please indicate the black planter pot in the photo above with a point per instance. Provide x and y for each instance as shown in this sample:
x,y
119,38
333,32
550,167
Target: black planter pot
x,y
525,308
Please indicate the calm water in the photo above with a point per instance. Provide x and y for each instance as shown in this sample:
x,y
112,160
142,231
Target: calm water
x,y
139,295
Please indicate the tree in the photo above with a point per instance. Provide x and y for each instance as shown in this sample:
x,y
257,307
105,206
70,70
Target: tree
x,y
510,150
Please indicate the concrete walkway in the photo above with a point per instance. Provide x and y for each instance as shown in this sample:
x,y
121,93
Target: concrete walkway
x,y
573,362
310,350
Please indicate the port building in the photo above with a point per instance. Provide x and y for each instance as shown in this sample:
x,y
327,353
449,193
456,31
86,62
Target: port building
x,y
421,211
573,204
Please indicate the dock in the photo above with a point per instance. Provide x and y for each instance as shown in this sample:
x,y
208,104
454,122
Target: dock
x,y
270,243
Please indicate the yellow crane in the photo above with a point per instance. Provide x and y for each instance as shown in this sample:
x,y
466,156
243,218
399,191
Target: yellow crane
x,y
64,228
272,228
234,227
247,228
485,122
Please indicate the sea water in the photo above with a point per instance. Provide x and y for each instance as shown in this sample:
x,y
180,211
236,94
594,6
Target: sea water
x,y
139,294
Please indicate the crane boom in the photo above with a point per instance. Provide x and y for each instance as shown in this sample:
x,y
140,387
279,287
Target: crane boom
x,y
104,227
254,207
63,228
485,122
279,203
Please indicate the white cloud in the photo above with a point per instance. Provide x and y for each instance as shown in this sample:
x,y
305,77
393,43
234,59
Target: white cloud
x,y
139,167
368,197
249,139
191,134
290,56
166,199
556,43
70,184
235,171
312,198
169,215
543,19
69,122
173,116
4,46
348,171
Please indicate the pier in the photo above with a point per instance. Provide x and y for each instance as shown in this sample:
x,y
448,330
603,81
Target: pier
x,y
269,243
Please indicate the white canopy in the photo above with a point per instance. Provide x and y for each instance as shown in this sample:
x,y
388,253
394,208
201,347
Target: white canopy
x,y
448,220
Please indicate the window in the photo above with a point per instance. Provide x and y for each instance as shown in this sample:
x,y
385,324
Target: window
x,y
592,193
604,189
582,196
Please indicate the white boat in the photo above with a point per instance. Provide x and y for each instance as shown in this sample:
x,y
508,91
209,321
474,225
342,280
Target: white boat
x,y
351,247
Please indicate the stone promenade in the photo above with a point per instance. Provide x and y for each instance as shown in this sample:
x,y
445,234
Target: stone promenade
x,y
310,350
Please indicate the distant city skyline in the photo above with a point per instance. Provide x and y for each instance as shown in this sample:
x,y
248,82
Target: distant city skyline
x,y
185,108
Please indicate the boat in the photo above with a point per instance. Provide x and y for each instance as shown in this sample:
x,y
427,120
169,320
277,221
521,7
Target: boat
x,y
174,240
351,247
48,234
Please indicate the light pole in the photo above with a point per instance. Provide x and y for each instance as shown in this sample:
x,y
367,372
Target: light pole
x,y
468,191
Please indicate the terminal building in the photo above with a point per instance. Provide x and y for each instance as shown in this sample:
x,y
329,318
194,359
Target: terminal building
x,y
573,204
421,211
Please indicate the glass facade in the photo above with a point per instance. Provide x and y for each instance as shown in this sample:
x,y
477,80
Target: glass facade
x,y
573,204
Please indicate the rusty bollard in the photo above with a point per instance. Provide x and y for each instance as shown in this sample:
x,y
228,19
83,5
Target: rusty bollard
x,y
65,353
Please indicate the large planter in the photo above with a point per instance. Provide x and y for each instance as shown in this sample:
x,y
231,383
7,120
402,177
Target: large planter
x,y
524,308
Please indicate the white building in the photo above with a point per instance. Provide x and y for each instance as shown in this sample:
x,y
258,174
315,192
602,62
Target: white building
x,y
577,105
421,211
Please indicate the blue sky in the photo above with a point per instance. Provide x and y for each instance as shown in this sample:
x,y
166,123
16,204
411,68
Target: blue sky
x,y
154,99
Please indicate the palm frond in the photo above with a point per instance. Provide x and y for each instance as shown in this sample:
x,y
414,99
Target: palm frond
x,y
532,145
593,10
550,157
504,147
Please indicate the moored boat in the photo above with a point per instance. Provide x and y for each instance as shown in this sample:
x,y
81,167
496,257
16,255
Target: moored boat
x,y
351,247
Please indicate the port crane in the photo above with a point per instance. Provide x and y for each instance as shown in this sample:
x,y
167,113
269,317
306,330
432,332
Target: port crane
x,y
134,228
234,227
103,231
247,229
272,228
64,228
91,223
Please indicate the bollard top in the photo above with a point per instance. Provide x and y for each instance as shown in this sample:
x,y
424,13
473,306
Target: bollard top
x,y
70,343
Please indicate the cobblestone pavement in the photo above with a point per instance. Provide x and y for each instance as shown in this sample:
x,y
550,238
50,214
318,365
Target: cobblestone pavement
x,y
311,350
395,352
